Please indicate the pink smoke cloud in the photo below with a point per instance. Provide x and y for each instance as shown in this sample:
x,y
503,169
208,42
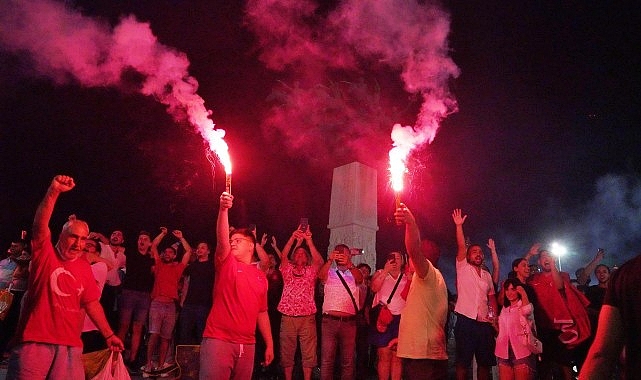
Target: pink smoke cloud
x,y
314,46
66,46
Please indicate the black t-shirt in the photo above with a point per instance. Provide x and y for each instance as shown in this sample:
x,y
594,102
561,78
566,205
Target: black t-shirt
x,y
201,283
624,293
595,294
138,276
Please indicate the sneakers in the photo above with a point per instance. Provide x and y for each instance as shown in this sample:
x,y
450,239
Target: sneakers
x,y
165,369
162,371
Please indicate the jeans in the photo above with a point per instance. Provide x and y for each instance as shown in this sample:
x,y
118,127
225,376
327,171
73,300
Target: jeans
x,y
334,334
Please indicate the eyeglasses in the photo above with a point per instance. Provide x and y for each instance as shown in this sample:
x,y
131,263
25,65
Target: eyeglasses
x,y
238,240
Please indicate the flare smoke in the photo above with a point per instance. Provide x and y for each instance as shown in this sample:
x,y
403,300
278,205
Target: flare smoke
x,y
311,44
66,46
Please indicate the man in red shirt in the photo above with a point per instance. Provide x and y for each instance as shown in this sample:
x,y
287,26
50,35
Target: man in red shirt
x,y
61,289
240,304
162,312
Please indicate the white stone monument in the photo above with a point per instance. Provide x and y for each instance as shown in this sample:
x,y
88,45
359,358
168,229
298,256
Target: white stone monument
x,y
353,211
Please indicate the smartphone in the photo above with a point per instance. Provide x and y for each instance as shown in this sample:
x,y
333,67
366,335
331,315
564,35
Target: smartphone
x,y
252,227
304,224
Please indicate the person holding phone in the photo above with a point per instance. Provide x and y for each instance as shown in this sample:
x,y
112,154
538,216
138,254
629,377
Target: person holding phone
x,y
340,306
298,322
387,284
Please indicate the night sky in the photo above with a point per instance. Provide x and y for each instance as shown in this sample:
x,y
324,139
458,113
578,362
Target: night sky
x,y
543,144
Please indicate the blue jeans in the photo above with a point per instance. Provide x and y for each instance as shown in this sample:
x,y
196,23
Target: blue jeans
x,y
191,324
335,333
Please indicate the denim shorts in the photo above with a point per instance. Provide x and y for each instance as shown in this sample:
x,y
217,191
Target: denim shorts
x,y
162,319
134,303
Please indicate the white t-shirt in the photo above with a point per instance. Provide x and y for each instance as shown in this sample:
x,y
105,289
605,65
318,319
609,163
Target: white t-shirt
x,y
117,260
99,270
397,303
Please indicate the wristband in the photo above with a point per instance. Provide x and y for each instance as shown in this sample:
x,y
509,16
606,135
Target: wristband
x,y
112,334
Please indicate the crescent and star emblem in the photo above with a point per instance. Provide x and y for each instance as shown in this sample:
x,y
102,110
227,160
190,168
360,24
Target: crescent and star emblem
x,y
53,279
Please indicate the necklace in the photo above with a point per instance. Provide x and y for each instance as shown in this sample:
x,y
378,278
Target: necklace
x,y
299,274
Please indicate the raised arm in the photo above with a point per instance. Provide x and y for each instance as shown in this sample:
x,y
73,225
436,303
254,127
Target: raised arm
x,y
317,259
59,184
179,235
97,235
403,215
379,276
156,242
323,272
583,277
496,267
533,251
262,254
459,219
287,249
524,299
223,247
274,245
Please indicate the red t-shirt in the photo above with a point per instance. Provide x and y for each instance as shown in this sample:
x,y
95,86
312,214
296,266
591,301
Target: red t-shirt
x,y
58,289
240,293
167,277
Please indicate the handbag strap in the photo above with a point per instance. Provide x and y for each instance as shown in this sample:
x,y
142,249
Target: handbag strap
x,y
348,290
527,326
389,299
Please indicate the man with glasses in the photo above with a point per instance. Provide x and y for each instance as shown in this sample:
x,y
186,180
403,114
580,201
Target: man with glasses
x,y
239,305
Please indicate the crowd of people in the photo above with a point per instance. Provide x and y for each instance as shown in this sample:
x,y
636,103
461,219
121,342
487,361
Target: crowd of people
x,y
258,311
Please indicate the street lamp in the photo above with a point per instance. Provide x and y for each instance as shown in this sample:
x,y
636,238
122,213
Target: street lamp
x,y
558,250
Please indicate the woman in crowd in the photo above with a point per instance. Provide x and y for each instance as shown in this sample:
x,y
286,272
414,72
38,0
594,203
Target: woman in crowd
x,y
515,359
388,281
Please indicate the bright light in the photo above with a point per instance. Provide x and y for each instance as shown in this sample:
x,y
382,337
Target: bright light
x,y
557,249
397,168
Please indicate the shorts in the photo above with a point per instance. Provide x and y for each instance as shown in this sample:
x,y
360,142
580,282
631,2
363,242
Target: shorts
x,y
293,329
474,338
134,303
162,319
512,361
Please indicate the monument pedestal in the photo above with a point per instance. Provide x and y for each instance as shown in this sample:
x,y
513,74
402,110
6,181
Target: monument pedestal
x,y
353,211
